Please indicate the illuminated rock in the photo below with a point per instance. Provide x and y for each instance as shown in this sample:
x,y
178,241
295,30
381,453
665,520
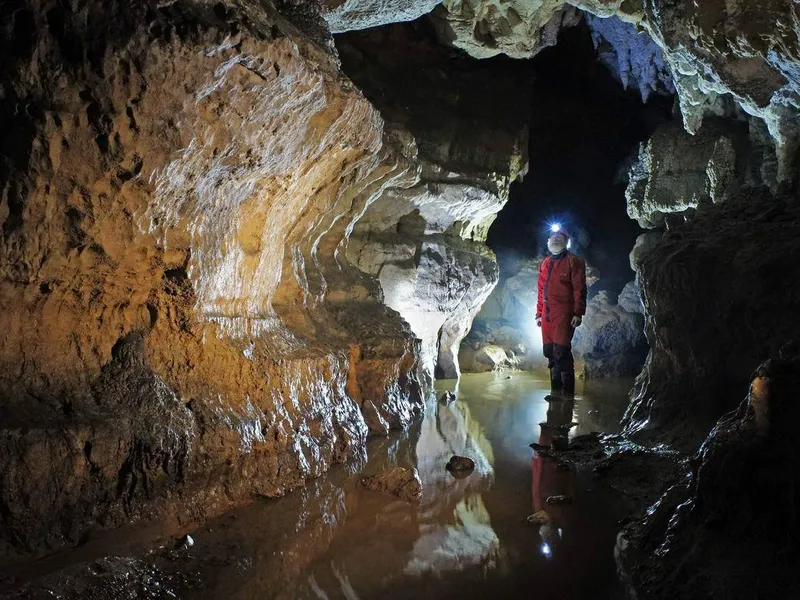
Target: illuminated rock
x,y
397,481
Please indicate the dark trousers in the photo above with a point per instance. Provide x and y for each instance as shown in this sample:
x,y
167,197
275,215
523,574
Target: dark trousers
x,y
561,365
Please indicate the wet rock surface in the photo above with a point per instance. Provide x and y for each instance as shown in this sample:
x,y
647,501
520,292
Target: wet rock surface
x,y
539,518
177,335
640,475
732,256
423,240
398,481
460,463
190,318
448,397
466,538
726,528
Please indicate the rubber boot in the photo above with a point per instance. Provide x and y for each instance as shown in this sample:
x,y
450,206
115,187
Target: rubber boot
x,y
568,382
556,380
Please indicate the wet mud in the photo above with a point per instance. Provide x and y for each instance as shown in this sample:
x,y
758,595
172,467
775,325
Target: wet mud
x,y
468,536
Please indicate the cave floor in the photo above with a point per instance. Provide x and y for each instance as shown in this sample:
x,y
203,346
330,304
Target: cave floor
x,y
467,538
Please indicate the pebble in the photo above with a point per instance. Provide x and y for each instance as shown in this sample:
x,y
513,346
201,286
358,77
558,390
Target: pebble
x,y
448,397
539,518
460,463
559,500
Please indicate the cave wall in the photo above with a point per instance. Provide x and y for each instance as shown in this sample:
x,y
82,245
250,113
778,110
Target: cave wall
x,y
182,326
424,240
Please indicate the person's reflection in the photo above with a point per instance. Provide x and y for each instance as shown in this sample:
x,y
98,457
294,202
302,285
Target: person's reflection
x,y
547,478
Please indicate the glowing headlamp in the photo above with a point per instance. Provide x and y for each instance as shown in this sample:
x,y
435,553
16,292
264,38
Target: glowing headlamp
x,y
555,227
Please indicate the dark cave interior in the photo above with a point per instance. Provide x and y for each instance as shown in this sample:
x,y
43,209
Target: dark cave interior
x,y
584,127
243,253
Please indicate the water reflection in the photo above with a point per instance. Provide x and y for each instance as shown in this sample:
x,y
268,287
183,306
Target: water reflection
x,y
467,538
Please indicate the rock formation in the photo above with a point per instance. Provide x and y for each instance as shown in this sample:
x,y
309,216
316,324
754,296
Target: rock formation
x,y
727,527
182,329
423,239
631,55
718,299
225,263
611,341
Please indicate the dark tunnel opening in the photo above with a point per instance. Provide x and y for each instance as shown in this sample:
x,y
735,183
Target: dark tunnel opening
x,y
584,127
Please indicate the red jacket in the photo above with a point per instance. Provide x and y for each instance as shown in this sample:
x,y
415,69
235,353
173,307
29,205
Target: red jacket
x,y
562,287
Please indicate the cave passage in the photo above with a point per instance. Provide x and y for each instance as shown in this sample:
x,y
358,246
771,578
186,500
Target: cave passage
x,y
466,538
267,278
584,127
586,130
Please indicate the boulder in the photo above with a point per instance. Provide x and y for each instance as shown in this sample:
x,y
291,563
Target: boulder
x,y
448,397
540,518
460,463
492,356
397,481
611,341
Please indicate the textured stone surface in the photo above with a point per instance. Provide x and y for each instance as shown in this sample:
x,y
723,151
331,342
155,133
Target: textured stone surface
x,y
723,56
631,55
183,328
172,199
726,528
630,299
718,297
518,29
677,171
423,239
397,481
611,341
350,15
644,243
745,52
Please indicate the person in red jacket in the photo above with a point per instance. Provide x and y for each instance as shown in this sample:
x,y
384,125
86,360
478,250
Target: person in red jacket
x,y
560,307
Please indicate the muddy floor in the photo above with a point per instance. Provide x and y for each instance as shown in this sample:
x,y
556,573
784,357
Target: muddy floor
x,y
468,537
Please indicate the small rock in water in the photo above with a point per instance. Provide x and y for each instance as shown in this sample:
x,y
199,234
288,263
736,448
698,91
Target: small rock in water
x,y
448,397
184,543
398,481
460,463
559,500
539,518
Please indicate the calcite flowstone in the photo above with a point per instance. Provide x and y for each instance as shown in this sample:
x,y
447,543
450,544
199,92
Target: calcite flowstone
x,y
178,335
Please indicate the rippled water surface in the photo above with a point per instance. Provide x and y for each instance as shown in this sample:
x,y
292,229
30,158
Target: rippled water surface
x,y
468,538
